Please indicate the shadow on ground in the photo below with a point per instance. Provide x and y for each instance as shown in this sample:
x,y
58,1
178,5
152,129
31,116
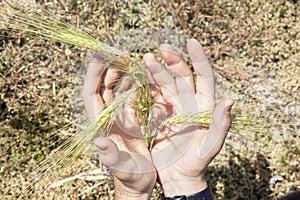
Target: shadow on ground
x,y
243,179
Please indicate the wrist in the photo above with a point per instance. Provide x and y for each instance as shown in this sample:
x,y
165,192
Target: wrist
x,y
123,192
132,196
185,187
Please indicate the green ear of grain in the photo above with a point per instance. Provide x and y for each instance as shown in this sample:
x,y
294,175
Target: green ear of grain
x,y
238,123
68,153
25,19
28,21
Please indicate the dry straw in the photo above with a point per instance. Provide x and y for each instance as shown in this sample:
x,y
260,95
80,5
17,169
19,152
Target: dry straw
x,y
32,23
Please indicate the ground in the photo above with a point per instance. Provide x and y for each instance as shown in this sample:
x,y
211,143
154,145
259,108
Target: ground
x,y
254,47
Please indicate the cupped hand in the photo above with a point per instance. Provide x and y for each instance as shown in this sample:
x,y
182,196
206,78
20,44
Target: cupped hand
x,y
181,153
125,155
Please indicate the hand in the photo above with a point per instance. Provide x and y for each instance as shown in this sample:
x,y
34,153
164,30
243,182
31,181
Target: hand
x,y
126,156
181,153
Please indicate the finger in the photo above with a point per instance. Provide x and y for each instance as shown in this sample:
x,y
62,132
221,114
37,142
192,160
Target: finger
x,y
111,78
151,81
203,70
90,93
127,119
126,83
217,131
161,76
119,162
179,68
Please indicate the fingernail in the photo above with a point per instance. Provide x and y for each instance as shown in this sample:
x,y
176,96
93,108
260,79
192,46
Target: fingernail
x,y
228,109
103,148
101,144
98,57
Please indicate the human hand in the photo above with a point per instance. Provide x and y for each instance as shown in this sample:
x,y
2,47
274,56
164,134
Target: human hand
x,y
181,153
126,155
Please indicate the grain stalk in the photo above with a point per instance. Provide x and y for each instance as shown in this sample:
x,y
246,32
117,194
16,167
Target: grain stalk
x,y
67,154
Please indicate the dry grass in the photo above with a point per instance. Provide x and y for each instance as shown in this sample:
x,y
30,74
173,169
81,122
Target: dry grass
x,y
254,47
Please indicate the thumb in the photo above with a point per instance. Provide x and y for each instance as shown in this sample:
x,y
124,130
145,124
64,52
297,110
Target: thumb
x,y
119,162
108,151
218,130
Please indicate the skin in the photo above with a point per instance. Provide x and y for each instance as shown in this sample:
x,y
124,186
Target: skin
x,y
180,153
124,154
187,149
